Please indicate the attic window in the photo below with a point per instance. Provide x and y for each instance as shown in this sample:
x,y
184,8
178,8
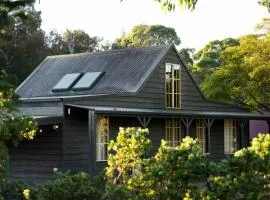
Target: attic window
x,y
173,90
88,80
66,82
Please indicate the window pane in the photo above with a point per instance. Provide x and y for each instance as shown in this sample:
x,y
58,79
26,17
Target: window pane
x,y
172,86
230,141
102,137
168,68
176,71
173,132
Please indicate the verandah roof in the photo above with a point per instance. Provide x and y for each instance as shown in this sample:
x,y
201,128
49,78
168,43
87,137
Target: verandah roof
x,y
172,112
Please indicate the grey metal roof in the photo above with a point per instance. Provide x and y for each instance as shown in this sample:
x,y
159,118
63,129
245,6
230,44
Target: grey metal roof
x,y
126,71
172,112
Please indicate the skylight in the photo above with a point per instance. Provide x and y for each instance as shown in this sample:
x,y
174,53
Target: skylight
x,y
88,80
66,82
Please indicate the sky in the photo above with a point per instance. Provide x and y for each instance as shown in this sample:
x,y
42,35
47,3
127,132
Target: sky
x,y
109,19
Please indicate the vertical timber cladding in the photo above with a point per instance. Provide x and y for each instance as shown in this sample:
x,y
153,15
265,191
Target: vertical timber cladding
x,y
33,161
75,140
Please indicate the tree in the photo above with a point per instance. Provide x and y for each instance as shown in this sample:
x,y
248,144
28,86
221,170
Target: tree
x,y
12,8
264,26
265,3
23,45
244,75
186,57
55,43
148,35
81,41
13,128
208,58
169,5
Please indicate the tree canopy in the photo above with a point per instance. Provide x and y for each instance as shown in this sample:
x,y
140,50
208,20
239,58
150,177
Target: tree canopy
x,y
12,8
79,41
148,35
244,75
265,3
208,58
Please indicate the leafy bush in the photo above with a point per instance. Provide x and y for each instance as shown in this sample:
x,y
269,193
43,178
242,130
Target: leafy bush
x,y
4,160
170,174
17,191
176,170
127,155
246,175
68,186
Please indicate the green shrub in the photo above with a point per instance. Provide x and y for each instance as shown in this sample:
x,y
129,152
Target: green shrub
x,y
170,174
4,161
244,176
68,186
176,170
17,191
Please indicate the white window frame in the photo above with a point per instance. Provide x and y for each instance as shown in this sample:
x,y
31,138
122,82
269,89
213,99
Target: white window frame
x,y
230,136
173,95
102,138
200,134
173,131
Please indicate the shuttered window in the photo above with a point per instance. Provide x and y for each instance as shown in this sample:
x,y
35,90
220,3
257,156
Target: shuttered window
x,y
173,86
102,138
173,132
230,141
200,132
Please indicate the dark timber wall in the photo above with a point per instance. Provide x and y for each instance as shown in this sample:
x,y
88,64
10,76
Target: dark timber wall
x,y
33,161
75,140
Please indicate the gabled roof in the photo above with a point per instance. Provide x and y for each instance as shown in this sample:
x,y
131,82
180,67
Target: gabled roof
x,y
126,70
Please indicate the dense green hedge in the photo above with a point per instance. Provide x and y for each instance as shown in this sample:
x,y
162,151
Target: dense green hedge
x,y
173,173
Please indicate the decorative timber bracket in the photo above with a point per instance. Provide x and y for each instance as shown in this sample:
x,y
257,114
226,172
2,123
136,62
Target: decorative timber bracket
x,y
208,123
242,123
144,121
187,122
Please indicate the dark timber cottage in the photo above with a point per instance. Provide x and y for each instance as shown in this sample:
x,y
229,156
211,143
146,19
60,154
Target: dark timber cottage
x,y
81,100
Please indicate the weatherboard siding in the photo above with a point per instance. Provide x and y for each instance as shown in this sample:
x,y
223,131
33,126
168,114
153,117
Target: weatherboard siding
x,y
33,161
75,141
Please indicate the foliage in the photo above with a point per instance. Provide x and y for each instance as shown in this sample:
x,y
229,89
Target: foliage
x,y
245,175
265,3
23,46
4,161
147,35
68,186
170,174
244,76
12,8
127,155
18,191
169,5
13,128
209,58
186,56
264,26
79,41
176,169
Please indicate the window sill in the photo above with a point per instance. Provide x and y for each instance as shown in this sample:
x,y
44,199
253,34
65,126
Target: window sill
x,y
101,161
